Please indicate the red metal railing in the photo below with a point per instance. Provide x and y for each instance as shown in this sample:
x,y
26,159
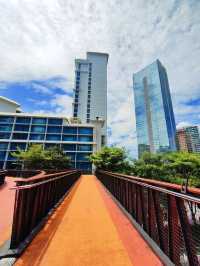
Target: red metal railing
x,y
35,197
2,177
171,219
171,186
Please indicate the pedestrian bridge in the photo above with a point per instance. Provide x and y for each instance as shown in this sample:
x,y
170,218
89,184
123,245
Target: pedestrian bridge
x,y
72,219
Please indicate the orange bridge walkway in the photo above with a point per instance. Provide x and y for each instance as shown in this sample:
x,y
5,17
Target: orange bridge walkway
x,y
87,229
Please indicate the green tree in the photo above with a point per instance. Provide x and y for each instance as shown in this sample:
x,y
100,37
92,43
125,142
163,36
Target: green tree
x,y
111,159
56,159
183,164
150,166
175,167
37,158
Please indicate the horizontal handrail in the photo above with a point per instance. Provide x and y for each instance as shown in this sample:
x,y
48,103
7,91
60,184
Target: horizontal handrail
x,y
156,188
171,219
64,174
40,176
22,173
167,185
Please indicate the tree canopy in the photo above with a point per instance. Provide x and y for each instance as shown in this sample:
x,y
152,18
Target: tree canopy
x,y
111,159
173,167
38,158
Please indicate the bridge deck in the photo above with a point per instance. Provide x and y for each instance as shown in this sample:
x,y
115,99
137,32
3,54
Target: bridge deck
x,y
88,229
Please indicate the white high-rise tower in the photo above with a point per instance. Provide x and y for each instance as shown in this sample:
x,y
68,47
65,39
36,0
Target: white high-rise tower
x,y
90,92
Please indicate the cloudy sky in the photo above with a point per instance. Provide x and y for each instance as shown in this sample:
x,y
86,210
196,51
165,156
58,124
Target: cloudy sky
x,y
39,40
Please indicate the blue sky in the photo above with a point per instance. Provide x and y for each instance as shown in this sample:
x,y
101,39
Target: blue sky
x,y
40,40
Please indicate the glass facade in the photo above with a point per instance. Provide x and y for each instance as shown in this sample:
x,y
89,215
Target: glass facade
x,y
21,131
155,123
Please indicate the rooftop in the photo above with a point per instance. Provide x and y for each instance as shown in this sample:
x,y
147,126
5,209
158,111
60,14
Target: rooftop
x,y
9,101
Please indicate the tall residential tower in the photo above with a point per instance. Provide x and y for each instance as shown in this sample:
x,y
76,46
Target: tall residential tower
x,y
155,123
90,92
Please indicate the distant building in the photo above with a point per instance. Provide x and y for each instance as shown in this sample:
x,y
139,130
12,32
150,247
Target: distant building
x,y
7,105
21,130
181,140
188,139
90,92
155,123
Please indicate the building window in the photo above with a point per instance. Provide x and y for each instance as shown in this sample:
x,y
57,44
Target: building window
x,y
15,146
21,128
53,137
84,166
85,138
39,121
55,121
5,127
69,138
23,120
5,135
84,147
20,135
37,136
70,130
6,119
69,147
85,130
38,129
82,156
2,155
54,129
3,145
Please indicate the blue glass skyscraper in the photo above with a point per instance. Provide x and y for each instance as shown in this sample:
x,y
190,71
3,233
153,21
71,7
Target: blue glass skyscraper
x,y
155,123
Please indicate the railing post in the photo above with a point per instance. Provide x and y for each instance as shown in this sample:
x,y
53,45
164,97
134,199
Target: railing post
x,y
159,221
187,234
174,231
142,208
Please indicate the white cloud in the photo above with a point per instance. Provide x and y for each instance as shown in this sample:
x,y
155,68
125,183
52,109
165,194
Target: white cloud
x,y
183,124
42,89
40,39
62,105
